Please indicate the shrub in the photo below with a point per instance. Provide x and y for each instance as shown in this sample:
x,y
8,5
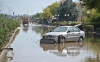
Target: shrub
x,y
54,23
6,26
74,23
64,23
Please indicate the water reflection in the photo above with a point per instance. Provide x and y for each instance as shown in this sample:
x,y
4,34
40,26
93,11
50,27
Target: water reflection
x,y
92,42
88,51
70,49
42,29
91,59
25,28
10,54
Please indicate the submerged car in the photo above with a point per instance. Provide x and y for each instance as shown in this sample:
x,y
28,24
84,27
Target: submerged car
x,y
63,34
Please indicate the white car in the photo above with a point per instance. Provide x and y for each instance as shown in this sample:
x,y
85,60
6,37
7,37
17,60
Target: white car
x,y
64,33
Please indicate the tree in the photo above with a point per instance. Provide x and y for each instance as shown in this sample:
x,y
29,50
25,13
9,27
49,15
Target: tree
x,y
54,7
37,15
92,4
49,11
67,10
93,18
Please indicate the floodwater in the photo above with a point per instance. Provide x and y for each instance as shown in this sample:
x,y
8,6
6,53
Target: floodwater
x,y
28,49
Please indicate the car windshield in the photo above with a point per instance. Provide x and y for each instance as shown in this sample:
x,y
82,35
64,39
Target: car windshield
x,y
60,29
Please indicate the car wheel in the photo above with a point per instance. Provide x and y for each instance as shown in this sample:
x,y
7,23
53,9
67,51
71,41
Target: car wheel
x,y
61,39
80,39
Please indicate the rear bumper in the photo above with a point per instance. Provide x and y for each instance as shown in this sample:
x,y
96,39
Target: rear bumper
x,y
47,41
25,22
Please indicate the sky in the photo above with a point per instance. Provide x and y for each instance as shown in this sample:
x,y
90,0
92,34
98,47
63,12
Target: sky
x,y
20,7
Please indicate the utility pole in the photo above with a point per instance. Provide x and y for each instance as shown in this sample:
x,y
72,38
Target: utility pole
x,y
1,8
27,10
13,15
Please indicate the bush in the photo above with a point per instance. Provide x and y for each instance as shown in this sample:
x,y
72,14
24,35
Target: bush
x,y
74,23
54,23
6,26
64,23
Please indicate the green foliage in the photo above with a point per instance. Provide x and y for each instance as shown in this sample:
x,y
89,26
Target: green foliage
x,y
64,23
92,4
6,26
93,18
74,23
46,13
55,23
68,7
34,17
54,7
50,10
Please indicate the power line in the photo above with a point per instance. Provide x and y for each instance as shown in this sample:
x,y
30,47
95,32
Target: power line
x,y
3,5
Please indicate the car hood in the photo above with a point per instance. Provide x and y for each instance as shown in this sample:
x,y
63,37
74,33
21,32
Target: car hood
x,y
55,33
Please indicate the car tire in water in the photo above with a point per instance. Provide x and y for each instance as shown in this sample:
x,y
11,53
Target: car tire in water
x,y
80,39
61,39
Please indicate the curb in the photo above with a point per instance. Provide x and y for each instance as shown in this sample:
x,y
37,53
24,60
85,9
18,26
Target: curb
x,y
5,51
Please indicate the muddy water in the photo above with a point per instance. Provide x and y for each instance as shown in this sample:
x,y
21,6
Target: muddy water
x,y
28,49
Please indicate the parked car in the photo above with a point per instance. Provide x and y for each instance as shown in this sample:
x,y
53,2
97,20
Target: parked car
x,y
64,33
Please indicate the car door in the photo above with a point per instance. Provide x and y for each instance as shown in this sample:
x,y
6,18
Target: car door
x,y
70,34
76,33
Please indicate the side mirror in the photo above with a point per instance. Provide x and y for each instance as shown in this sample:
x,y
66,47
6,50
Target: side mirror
x,y
68,31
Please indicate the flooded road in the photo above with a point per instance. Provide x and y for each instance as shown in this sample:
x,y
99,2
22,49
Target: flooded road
x,y
28,49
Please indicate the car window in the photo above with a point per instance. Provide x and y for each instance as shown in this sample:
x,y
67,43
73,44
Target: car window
x,y
70,29
76,29
60,29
